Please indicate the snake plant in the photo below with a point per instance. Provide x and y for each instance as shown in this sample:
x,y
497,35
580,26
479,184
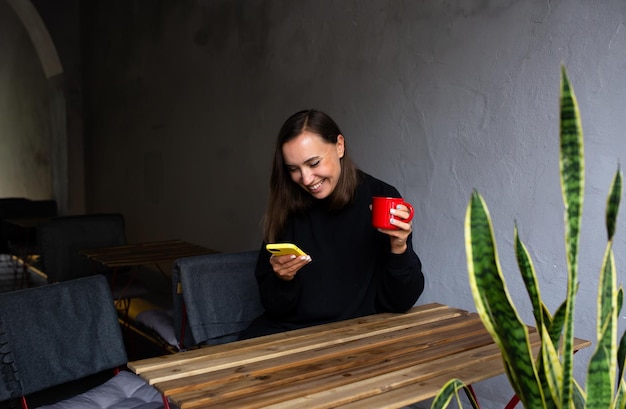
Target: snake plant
x,y
545,379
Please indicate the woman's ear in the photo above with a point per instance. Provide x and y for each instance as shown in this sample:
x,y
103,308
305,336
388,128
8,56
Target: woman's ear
x,y
341,147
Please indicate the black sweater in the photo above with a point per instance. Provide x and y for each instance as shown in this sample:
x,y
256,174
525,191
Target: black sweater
x,y
352,272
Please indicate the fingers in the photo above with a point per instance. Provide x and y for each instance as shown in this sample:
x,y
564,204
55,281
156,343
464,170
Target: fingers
x,y
286,267
400,234
401,212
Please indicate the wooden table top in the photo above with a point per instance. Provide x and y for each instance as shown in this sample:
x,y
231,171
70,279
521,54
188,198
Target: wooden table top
x,y
145,253
380,361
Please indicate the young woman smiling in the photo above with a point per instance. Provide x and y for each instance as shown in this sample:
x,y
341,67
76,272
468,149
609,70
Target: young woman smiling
x,y
320,201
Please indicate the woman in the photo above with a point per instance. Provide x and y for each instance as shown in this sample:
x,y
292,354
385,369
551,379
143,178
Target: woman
x,y
320,202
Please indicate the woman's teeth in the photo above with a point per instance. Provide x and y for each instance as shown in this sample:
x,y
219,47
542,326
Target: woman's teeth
x,y
316,186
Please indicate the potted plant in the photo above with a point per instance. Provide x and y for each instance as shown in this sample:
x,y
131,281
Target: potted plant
x,y
545,379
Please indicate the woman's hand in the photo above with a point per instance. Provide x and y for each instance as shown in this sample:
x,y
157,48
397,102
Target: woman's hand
x,y
286,267
400,235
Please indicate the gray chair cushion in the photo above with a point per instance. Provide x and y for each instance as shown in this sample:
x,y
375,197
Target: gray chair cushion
x,y
220,294
57,333
123,391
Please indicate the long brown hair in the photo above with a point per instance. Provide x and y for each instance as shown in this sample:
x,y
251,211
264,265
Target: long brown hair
x,y
286,197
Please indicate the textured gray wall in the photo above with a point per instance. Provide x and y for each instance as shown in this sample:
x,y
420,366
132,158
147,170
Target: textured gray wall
x,y
25,160
437,98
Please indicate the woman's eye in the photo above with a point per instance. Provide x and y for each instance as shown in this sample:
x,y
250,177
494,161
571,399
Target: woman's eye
x,y
314,164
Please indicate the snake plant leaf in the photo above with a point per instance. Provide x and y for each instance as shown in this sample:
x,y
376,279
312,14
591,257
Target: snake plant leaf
x,y
451,390
545,385
551,365
620,299
558,321
601,372
579,396
607,301
621,356
599,385
529,276
620,396
612,203
572,169
621,349
494,306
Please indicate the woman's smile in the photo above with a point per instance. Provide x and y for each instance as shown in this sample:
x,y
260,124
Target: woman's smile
x,y
316,187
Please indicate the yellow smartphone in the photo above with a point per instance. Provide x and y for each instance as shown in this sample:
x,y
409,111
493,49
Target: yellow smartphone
x,y
284,249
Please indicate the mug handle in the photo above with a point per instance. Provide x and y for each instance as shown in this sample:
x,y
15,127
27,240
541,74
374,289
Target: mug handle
x,y
411,211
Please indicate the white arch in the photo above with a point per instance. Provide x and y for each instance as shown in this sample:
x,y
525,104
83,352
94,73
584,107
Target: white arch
x,y
39,35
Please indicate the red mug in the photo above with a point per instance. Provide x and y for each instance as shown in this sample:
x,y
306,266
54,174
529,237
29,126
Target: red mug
x,y
381,215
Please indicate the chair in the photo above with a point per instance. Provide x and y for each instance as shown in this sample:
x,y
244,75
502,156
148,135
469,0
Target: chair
x,y
9,207
21,208
19,218
215,297
61,239
64,332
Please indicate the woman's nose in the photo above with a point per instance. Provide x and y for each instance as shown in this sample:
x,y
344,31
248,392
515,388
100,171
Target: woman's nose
x,y
307,176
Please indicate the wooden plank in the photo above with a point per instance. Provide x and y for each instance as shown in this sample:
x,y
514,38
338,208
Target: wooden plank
x,y
420,315
245,352
336,390
398,398
337,357
421,390
335,387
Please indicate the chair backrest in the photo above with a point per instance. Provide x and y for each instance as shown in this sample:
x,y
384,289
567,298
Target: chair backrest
x,y
220,295
20,208
61,239
57,333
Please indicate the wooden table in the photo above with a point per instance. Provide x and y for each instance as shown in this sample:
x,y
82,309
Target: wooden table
x,y
130,255
379,361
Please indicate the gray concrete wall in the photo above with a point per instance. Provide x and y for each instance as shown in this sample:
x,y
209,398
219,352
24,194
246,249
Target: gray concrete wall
x,y
437,98
25,161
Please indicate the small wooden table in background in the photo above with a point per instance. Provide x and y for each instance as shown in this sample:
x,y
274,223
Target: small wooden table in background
x,y
155,253
379,361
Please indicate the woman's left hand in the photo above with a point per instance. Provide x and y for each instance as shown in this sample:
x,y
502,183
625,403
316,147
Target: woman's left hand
x,y
400,235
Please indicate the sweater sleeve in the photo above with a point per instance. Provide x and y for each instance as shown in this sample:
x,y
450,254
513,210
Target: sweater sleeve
x,y
279,297
402,281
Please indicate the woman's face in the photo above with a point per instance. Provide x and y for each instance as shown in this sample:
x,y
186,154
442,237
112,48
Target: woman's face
x,y
313,163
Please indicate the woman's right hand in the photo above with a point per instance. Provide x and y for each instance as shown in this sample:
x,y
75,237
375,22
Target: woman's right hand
x,y
286,267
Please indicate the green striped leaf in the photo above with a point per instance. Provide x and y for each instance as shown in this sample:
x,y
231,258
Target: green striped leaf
x,y
529,276
551,365
601,369
620,299
572,171
620,396
558,321
449,391
579,396
621,350
612,203
493,304
607,301
550,402
599,385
